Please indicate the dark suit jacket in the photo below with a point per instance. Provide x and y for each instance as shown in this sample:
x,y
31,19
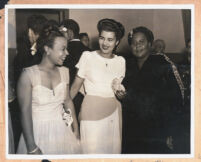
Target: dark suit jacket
x,y
24,58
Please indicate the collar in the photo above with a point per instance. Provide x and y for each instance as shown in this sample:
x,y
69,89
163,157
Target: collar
x,y
33,49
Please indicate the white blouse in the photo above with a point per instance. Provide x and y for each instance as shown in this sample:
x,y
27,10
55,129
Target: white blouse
x,y
99,72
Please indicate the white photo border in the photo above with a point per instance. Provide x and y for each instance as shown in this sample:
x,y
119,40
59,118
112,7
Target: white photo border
x,y
104,6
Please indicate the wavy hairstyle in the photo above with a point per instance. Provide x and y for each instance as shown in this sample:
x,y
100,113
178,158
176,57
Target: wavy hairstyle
x,y
113,26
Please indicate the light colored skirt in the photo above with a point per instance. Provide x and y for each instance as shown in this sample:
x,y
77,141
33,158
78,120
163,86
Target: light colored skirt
x,y
102,136
51,135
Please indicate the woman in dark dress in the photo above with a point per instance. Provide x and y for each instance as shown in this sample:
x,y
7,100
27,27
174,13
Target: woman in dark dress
x,y
153,100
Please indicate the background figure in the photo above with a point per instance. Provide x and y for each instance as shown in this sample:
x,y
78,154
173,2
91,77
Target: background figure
x,y
13,115
43,93
26,53
158,46
70,29
11,141
84,38
151,107
187,54
100,116
189,50
185,72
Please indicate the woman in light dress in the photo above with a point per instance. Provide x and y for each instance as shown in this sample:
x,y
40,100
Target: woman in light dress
x,y
43,93
100,116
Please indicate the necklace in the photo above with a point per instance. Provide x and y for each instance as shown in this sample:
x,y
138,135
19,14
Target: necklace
x,y
105,59
106,64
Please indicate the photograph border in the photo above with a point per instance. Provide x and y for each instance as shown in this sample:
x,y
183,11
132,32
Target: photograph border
x,y
104,6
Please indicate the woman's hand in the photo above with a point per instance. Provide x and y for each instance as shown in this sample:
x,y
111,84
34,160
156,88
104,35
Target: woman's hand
x,y
76,132
120,94
69,104
118,88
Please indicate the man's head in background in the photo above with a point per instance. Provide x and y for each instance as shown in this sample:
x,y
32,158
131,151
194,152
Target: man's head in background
x,y
159,46
35,25
70,29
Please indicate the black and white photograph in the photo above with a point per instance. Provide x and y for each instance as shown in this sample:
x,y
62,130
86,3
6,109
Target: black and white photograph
x,y
99,81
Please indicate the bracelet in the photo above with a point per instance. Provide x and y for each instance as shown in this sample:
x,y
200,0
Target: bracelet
x,y
34,150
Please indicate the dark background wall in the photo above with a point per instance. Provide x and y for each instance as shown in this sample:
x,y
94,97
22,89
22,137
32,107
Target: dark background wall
x,y
22,15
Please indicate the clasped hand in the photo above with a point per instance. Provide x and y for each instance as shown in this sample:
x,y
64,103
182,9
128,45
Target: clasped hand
x,y
120,94
118,88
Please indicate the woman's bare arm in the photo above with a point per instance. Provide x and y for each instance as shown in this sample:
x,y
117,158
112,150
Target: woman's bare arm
x,y
24,93
69,104
76,86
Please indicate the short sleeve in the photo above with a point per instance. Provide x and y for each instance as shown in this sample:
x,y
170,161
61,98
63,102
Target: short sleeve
x,y
82,64
65,74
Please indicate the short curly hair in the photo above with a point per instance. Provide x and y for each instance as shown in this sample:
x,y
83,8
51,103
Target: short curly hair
x,y
81,35
148,34
111,25
36,23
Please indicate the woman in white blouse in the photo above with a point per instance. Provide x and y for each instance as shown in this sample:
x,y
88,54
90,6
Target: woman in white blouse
x,y
101,72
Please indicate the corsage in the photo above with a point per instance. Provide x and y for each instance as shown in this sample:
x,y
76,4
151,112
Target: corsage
x,y
67,117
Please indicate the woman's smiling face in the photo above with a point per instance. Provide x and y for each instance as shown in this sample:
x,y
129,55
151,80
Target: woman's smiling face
x,y
107,41
58,52
140,45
